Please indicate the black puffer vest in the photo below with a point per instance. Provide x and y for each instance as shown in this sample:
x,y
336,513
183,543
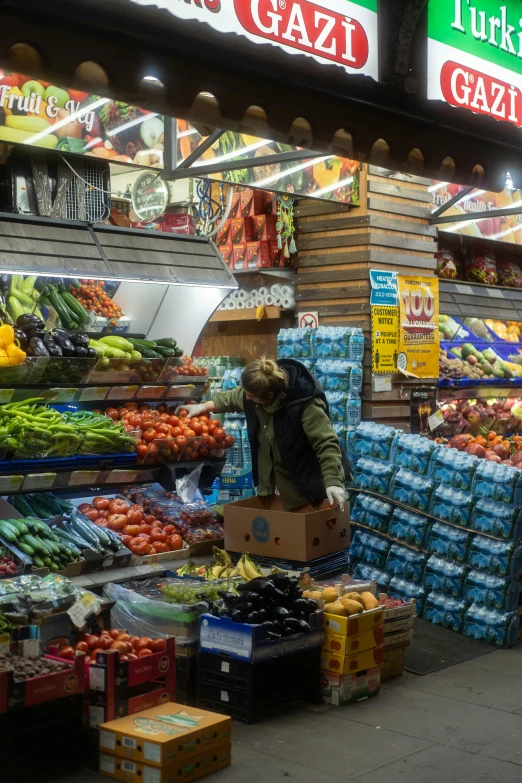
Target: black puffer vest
x,y
295,449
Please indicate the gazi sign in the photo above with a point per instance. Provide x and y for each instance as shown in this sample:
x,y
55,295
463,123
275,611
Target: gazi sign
x,y
339,31
475,56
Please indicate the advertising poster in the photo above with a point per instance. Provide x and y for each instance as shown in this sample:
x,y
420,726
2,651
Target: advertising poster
x,y
419,338
385,321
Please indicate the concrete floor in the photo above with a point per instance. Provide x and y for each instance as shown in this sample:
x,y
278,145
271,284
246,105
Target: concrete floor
x,y
459,725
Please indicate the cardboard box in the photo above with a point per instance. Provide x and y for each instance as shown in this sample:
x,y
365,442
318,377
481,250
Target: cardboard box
x,y
191,769
163,735
250,642
241,230
349,664
339,689
227,253
277,256
253,202
111,676
399,638
47,687
263,526
96,710
224,236
239,255
178,223
258,255
235,207
351,626
264,228
346,645
393,662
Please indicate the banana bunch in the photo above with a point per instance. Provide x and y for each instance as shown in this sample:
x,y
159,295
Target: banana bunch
x,y
222,567
189,569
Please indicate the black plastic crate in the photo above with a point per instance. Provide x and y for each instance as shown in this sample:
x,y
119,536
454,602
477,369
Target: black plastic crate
x,y
186,680
245,690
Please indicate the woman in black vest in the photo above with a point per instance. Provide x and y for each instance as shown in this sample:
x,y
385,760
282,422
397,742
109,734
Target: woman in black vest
x,y
295,450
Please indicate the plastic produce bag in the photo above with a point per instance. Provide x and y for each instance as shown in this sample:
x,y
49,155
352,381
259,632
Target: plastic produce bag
x,y
481,268
447,267
509,274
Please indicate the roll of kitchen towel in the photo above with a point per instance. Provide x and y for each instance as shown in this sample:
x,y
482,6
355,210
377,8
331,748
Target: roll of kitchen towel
x,y
259,301
278,301
288,303
253,293
269,300
235,294
249,304
286,290
231,304
242,295
263,291
240,305
275,289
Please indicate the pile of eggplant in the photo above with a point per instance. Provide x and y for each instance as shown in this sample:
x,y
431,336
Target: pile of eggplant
x,y
274,601
36,341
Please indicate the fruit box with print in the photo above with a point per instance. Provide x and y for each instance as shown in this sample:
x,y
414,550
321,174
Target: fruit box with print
x,y
341,689
15,695
262,526
251,643
203,763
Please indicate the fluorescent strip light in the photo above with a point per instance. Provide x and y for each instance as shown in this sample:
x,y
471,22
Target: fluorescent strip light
x,y
130,124
329,189
234,154
438,186
189,132
39,273
66,120
311,162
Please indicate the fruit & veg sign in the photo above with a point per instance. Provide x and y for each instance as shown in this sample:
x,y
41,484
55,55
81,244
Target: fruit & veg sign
x,y
475,56
331,31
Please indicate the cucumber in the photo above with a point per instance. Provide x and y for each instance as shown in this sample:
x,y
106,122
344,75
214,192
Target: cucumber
x,y
85,532
47,561
65,505
139,344
20,525
167,342
26,549
36,544
71,547
19,502
38,562
15,308
9,532
54,567
46,500
45,545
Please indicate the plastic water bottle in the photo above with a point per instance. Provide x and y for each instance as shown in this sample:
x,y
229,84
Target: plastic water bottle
x,y
357,345
247,455
353,410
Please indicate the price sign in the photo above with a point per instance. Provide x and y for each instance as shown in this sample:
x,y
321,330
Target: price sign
x,y
381,383
86,605
151,392
93,394
435,420
122,476
10,483
122,392
79,477
39,481
6,395
59,395
179,392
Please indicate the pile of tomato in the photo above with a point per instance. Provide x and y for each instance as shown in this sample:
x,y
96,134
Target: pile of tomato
x,y
129,647
189,368
167,436
142,533
92,295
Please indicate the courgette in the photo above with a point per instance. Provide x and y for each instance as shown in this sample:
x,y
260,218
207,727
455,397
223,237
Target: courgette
x,y
143,343
166,342
76,307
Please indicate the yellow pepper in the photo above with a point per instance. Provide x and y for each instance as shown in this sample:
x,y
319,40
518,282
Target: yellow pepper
x,y
7,334
14,354
4,359
327,177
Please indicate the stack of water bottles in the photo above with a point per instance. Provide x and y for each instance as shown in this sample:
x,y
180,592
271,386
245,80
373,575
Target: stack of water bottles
x,y
334,354
446,530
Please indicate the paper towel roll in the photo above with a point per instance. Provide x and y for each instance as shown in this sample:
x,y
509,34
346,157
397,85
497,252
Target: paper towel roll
x,y
231,304
235,295
288,303
275,289
249,304
269,300
240,305
259,301
253,293
278,301
263,291
242,295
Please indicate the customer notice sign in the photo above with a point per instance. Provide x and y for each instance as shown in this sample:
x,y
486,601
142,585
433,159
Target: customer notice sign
x,y
331,31
475,56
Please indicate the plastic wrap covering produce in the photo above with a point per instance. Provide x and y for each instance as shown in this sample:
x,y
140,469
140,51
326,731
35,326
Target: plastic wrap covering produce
x,y
370,548
414,453
409,527
495,592
405,590
372,512
509,274
411,489
447,267
480,268
502,520
373,475
450,542
496,557
498,482
374,440
442,610
294,344
338,342
490,626
452,505
367,573
154,616
28,600
406,562
453,468
444,577
339,375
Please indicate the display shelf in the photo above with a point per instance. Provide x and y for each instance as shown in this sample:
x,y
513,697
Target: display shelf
x,y
271,312
160,569
189,388
478,300
452,392
267,270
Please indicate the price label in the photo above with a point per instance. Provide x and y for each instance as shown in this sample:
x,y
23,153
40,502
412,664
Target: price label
x,y
381,383
122,392
39,481
10,483
59,395
179,392
93,394
79,477
6,395
86,605
151,392
435,420
122,476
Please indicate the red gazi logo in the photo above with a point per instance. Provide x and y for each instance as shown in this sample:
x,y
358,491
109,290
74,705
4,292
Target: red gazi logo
x,y
304,25
480,93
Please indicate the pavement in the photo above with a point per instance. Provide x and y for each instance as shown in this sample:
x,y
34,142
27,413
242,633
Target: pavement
x,y
459,725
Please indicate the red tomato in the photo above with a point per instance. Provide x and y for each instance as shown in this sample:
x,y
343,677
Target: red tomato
x,y
101,522
175,542
142,449
143,537
144,408
173,421
112,413
120,646
175,432
123,657
160,435
105,641
84,507
219,434
92,514
104,513
163,419
164,428
211,442
214,423
101,503
131,406
132,657
169,529
81,647
126,540
158,645
137,507
181,412
123,637
114,633
149,519
161,546
189,433
140,547
158,535
156,525
131,530
134,516
145,528
117,521
181,442
118,506
143,643
229,441
144,651
92,641
149,435
188,453
134,640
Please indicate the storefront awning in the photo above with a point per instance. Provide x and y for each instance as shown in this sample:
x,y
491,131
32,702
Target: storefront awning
x,y
228,81
73,249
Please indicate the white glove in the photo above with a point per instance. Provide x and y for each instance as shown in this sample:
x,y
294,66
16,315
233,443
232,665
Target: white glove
x,y
336,496
193,410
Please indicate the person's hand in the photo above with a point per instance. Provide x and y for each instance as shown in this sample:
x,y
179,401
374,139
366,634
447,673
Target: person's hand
x,y
336,496
193,410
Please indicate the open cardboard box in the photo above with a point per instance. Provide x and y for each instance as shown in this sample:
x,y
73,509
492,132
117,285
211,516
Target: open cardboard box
x,y
262,526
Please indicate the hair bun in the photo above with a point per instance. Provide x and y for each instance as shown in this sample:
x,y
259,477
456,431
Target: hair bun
x,y
267,366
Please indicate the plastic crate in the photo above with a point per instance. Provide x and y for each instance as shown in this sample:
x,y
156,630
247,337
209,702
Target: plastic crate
x,y
246,690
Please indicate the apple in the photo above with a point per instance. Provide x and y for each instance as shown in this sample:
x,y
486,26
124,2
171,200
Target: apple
x,y
33,87
61,96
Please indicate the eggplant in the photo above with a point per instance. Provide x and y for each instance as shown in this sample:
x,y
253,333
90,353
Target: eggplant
x,y
268,624
312,605
282,581
249,597
37,347
5,283
91,353
79,338
81,352
301,607
278,613
304,626
253,618
54,350
293,624
29,322
65,344
237,616
20,335
229,598
262,586
261,615
274,635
